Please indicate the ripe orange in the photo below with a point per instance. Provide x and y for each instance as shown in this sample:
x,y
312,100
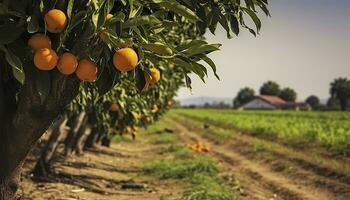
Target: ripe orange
x,y
39,41
154,108
45,59
67,64
108,17
86,71
114,107
152,77
55,20
125,59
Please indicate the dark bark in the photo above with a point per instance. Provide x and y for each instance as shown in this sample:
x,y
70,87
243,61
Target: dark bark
x,y
78,149
72,133
91,139
78,135
42,167
106,141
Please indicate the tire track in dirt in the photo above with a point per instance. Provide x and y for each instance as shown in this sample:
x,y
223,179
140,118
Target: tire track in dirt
x,y
258,179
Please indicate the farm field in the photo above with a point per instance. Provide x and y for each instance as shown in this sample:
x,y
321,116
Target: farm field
x,y
165,163
330,130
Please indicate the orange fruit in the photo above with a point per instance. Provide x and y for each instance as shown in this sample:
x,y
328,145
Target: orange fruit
x,y
125,59
86,70
148,119
45,59
108,17
154,108
152,77
67,64
39,41
56,21
114,107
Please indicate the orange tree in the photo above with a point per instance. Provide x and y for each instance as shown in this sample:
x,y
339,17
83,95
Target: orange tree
x,y
49,48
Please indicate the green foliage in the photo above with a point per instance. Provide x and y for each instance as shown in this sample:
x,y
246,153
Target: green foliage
x,y
340,90
244,95
288,94
313,101
270,88
166,34
328,129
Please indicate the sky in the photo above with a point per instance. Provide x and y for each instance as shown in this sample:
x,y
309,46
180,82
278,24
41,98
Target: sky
x,y
304,45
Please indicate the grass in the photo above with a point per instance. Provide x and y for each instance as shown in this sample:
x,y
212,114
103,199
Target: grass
x,y
182,168
213,132
263,149
178,151
119,138
163,138
204,187
331,130
199,174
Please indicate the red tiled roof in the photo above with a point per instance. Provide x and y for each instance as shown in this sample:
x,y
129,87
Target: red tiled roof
x,y
274,100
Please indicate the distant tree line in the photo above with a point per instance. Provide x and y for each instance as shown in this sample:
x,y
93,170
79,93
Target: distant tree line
x,y
339,95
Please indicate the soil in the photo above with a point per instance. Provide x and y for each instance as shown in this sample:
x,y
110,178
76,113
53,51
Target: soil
x,y
102,174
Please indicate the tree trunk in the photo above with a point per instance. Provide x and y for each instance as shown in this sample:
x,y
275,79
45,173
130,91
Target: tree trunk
x,y
91,139
106,141
42,167
72,133
81,141
79,134
24,117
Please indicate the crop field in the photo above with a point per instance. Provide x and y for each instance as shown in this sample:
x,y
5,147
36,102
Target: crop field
x,y
328,129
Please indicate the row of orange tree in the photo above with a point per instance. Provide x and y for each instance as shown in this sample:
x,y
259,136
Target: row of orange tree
x,y
90,53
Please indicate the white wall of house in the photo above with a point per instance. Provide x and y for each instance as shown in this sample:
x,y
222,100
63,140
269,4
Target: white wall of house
x,y
257,104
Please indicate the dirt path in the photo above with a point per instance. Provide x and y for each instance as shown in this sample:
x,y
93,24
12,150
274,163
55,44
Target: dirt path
x,y
103,174
260,181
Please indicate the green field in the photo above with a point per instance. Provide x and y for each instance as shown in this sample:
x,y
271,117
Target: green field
x,y
327,129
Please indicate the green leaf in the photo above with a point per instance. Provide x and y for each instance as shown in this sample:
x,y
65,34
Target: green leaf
x,y
191,43
210,63
70,8
140,79
206,48
254,17
177,8
158,48
140,21
234,24
106,80
76,20
18,74
15,63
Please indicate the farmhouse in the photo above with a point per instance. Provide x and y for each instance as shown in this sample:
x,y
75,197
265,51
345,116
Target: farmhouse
x,y
274,102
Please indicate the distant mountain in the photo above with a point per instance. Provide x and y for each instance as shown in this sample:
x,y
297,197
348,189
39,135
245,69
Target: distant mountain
x,y
200,101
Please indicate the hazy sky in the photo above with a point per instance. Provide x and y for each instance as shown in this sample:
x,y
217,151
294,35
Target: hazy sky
x,y
304,45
